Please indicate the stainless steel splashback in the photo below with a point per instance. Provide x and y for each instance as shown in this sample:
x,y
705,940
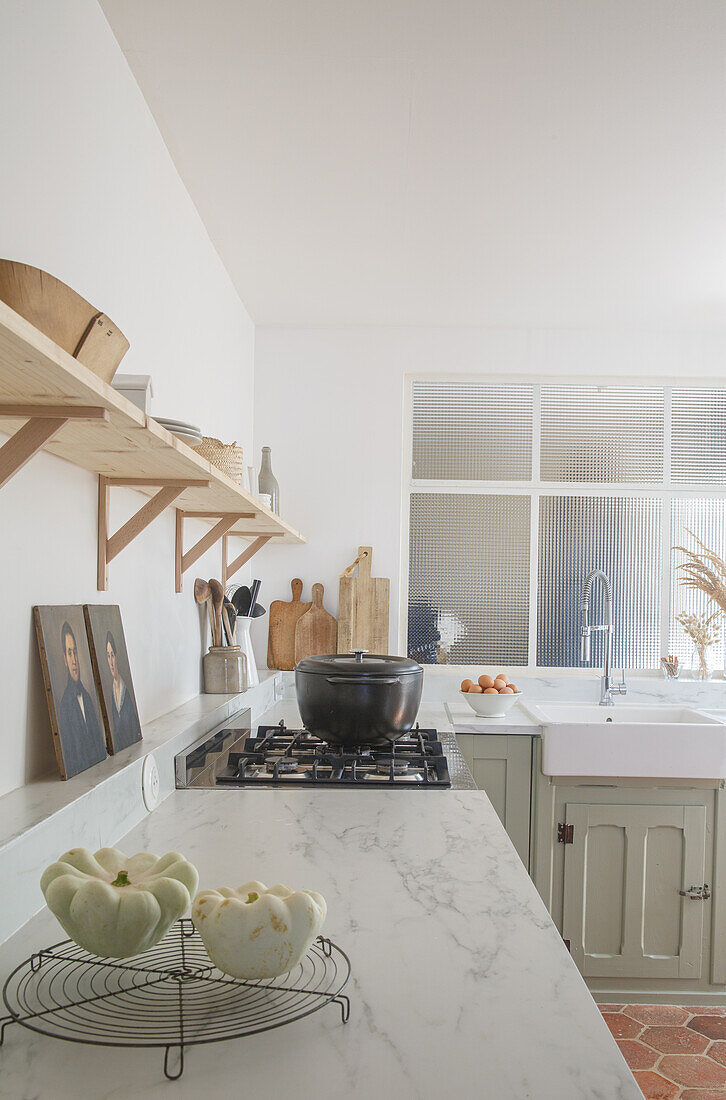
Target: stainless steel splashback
x,y
200,763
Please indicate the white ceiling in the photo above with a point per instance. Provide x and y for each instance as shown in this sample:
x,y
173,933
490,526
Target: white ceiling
x,y
498,162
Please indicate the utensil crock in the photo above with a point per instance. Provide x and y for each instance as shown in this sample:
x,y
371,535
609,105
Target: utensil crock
x,y
244,622
225,670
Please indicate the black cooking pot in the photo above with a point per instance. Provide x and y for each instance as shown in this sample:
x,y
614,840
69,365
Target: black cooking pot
x,y
358,698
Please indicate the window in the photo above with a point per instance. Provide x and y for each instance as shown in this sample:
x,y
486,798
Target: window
x,y
517,491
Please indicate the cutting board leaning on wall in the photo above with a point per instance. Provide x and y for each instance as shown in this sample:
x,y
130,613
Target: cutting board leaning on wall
x,y
316,631
284,615
363,604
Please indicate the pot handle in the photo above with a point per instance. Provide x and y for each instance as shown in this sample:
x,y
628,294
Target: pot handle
x,y
361,680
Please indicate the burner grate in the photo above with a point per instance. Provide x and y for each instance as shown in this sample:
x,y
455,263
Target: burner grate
x,y
276,756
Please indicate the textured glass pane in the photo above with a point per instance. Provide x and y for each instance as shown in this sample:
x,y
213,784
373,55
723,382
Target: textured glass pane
x,y
471,432
698,454
468,579
602,434
707,520
621,536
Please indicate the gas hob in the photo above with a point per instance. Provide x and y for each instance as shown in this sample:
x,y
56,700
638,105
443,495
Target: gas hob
x,y
275,756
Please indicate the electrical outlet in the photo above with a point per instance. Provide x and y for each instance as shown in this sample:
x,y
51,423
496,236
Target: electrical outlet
x,y
150,783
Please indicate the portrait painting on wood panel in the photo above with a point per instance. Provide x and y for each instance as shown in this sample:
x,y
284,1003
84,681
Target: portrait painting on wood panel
x,y
112,670
70,688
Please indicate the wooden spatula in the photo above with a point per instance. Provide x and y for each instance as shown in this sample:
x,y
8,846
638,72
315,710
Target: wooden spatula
x,y
316,631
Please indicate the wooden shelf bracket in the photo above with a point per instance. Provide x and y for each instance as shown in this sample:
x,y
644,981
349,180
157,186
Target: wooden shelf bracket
x,y
42,423
229,568
110,546
184,561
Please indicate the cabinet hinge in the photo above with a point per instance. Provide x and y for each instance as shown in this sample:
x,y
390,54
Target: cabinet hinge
x,y
697,893
565,833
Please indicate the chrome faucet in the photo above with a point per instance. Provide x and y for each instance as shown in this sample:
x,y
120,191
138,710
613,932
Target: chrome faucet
x,y
607,688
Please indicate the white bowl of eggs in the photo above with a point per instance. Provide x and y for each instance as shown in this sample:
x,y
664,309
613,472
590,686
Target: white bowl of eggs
x,y
490,696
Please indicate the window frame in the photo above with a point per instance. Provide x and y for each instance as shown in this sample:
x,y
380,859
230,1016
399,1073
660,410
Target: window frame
x,y
665,490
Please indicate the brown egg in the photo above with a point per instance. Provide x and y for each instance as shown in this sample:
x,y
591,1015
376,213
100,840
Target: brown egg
x,y
475,690
514,688
467,685
502,676
486,681
498,684
506,691
490,691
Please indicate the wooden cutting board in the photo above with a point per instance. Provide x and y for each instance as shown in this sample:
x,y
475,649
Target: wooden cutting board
x,y
316,631
363,604
284,617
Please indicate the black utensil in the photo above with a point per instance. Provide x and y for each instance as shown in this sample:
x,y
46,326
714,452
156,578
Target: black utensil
x,y
241,600
253,597
258,611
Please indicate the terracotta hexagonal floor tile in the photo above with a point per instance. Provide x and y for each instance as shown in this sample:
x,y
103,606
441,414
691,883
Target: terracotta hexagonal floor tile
x,y
636,1055
674,1040
717,1051
667,1015
622,1027
713,1026
693,1070
655,1087
611,1008
706,1010
702,1094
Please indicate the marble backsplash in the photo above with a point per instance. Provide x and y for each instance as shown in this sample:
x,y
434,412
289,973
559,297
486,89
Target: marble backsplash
x,y
441,684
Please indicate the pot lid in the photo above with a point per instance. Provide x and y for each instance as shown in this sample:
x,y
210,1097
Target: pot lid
x,y
360,663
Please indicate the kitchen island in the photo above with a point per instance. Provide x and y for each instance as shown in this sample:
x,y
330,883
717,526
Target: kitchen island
x,y
460,984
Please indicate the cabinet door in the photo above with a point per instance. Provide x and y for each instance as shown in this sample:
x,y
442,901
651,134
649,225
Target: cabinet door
x,y
623,915
502,766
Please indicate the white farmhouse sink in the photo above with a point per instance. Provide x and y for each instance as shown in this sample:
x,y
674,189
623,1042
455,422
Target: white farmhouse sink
x,y
642,741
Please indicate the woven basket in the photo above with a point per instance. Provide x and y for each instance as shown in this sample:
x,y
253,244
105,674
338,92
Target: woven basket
x,y
227,457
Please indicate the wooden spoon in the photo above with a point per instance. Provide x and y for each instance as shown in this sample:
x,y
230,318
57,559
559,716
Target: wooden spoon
x,y
217,603
203,595
202,591
229,618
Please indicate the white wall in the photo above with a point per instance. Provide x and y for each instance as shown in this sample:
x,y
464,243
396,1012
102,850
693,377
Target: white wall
x,y
329,401
88,192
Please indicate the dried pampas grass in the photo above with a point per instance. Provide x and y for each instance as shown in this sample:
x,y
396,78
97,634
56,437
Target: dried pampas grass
x,y
704,571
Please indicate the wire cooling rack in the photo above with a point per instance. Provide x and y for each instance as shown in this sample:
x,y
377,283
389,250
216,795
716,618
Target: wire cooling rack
x,y
171,996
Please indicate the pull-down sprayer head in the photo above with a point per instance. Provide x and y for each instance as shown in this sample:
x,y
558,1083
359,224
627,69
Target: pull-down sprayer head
x,y
585,631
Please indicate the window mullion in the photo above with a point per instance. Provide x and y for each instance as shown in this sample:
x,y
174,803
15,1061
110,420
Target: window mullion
x,y
533,571
667,524
534,524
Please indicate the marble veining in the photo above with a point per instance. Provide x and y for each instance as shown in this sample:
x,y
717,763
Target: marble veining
x,y
461,984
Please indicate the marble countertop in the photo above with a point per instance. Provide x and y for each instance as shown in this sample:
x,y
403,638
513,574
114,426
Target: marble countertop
x,y
461,984
463,720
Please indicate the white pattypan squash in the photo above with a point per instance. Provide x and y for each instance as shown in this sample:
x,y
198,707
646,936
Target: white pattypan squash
x,y
253,932
115,905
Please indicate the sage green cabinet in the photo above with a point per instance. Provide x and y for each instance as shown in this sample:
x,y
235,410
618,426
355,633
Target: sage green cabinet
x,y
610,857
502,766
624,915
612,879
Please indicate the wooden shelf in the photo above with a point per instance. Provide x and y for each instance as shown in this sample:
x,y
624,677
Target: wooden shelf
x,y
107,434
